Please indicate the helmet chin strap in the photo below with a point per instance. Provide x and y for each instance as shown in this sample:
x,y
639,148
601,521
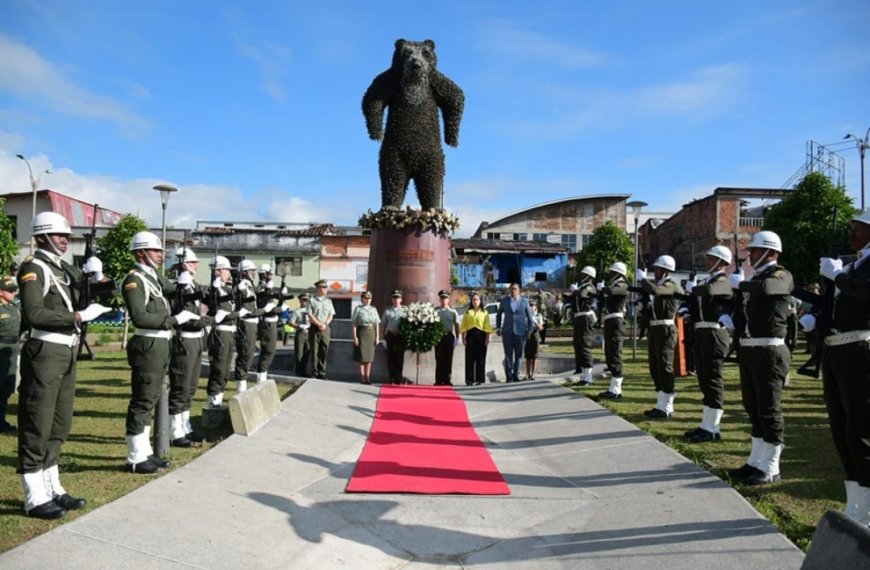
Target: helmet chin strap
x,y
51,247
760,259
150,262
716,265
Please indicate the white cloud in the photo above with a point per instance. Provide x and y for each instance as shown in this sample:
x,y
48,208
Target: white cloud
x,y
25,73
273,61
504,39
708,90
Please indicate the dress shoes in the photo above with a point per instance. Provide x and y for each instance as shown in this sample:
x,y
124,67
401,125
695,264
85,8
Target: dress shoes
x,y
584,383
692,432
760,478
68,502
47,511
147,467
742,472
703,436
183,441
162,463
6,427
608,395
195,437
656,414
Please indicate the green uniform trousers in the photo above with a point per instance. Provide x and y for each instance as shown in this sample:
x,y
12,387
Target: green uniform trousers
x,y
148,358
711,347
762,375
583,341
319,341
220,359
614,336
302,352
184,372
45,403
246,345
8,368
660,357
846,377
268,334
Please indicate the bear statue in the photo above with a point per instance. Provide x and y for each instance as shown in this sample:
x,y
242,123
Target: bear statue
x,y
414,90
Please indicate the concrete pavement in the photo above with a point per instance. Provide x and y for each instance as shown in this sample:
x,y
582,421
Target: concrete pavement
x,y
588,490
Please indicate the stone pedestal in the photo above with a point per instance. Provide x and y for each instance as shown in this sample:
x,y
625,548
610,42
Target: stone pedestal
x,y
415,261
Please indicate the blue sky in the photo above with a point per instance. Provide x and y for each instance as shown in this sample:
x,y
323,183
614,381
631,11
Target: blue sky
x,y
253,108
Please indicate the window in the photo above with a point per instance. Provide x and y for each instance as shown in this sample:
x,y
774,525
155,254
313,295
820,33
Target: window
x,y
492,235
343,308
539,237
289,266
585,239
569,241
14,220
521,237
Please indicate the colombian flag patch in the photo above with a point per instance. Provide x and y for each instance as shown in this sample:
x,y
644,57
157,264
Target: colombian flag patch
x,y
27,277
130,285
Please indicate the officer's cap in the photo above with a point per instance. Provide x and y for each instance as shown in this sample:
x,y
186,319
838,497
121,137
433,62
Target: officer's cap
x,y
366,295
443,293
396,293
7,283
320,283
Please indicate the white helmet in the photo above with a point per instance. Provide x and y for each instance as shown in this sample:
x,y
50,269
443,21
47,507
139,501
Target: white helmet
x,y
666,262
721,252
220,262
619,267
589,270
863,217
145,240
185,254
765,240
49,223
265,268
247,265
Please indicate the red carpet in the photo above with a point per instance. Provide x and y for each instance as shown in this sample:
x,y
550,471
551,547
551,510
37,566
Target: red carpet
x,y
422,441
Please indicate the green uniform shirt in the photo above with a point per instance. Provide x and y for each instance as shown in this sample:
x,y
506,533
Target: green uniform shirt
x,y
365,316
321,308
10,323
712,298
852,305
665,304
449,319
765,302
392,317
53,311
615,295
144,298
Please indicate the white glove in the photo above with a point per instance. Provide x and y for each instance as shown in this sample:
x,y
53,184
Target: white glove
x,y
284,290
185,316
243,312
269,284
735,279
217,283
808,322
93,311
689,286
306,326
683,310
641,275
220,316
600,285
94,266
244,285
574,287
184,278
830,267
383,343
725,321
269,307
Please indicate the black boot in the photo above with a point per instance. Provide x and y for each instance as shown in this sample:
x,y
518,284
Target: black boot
x,y
68,502
47,511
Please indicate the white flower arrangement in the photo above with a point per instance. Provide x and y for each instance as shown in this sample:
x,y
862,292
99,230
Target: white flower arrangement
x,y
420,328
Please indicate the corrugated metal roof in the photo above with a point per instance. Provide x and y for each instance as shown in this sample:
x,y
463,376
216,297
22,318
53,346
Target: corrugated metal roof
x,y
492,245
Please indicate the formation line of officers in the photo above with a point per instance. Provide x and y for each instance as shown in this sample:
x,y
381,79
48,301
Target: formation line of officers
x,y
754,310
176,319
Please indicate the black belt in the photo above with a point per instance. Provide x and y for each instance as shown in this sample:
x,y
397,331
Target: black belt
x,y
8,340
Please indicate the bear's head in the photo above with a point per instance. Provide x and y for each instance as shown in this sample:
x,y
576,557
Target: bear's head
x,y
414,60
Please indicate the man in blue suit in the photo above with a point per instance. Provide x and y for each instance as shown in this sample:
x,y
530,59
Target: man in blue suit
x,y
518,324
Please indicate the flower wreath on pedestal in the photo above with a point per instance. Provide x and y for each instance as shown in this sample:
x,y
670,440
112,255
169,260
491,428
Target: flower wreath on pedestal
x,y
420,329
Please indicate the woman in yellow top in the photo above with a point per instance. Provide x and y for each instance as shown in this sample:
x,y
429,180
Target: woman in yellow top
x,y
475,330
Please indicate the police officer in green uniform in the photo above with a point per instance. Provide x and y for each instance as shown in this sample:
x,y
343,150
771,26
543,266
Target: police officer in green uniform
x,y
246,333
391,339
221,338
185,365
270,300
662,333
49,288
10,331
846,367
449,339
148,352
320,312
764,357
581,303
711,318
614,294
301,346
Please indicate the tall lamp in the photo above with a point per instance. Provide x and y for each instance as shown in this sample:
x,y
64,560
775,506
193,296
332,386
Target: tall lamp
x,y
161,416
34,188
863,145
636,206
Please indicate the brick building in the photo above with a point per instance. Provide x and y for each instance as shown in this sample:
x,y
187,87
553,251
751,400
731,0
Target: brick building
x,y
703,223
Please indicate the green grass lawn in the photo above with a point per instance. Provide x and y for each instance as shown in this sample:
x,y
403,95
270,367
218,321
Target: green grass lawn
x,y
93,459
812,479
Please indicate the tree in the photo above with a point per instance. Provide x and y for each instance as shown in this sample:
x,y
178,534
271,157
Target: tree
x,y
114,247
607,245
8,245
803,222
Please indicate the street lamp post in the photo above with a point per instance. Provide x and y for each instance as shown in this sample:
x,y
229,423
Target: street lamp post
x,y
636,206
161,417
34,188
863,145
